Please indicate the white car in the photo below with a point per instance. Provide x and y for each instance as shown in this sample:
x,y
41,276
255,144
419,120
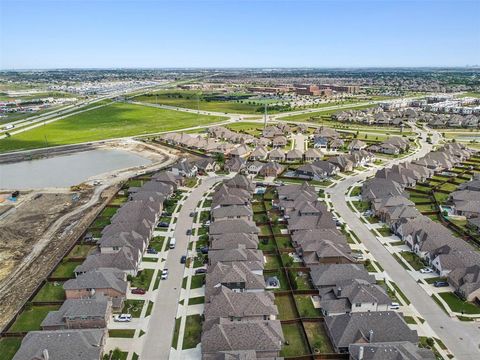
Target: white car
x,y
426,271
394,306
123,318
164,274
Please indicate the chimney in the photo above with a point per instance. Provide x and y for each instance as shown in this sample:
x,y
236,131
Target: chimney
x,y
370,336
339,292
45,354
360,353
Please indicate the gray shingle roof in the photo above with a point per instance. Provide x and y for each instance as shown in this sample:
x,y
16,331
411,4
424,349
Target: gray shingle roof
x,y
62,344
372,327
330,274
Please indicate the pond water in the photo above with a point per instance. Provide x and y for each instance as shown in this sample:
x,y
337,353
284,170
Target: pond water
x,y
66,170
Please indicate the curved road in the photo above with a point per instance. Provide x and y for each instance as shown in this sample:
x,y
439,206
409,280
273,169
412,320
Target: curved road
x,y
461,338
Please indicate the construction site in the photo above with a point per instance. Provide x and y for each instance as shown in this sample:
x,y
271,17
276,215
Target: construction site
x,y
40,226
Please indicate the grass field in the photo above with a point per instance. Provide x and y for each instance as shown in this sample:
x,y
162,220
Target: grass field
x,y
50,292
116,120
9,346
31,318
297,344
193,331
307,116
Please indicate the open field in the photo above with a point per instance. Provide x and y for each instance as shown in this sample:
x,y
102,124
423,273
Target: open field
x,y
116,120
307,116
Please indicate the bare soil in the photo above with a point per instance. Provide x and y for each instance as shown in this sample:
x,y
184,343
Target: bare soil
x,y
21,273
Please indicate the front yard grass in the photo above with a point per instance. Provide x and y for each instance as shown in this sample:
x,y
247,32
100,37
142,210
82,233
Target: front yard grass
x,y
196,300
413,259
286,307
31,318
295,342
305,306
51,291
121,333
143,279
157,243
197,281
193,331
317,337
361,206
458,305
176,331
133,307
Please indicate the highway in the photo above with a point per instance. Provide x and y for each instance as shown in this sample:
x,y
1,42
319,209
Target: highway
x,y
461,338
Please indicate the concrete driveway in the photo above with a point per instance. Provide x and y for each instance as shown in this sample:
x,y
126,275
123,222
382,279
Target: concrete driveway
x,y
159,335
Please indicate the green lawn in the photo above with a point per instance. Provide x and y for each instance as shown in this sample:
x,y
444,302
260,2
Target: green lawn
x,y
196,300
143,279
117,120
197,281
80,251
121,333
305,306
286,307
193,331
133,307
297,344
65,269
189,100
268,246
50,292
31,318
458,305
175,332
9,346
413,259
273,262
157,243
317,337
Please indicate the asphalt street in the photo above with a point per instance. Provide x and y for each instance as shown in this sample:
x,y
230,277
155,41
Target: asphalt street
x,y
159,335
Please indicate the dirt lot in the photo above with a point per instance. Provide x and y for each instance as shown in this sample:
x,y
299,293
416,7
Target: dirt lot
x,y
50,225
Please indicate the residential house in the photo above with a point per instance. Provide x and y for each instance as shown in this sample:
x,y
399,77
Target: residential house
x,y
342,162
261,339
62,344
466,281
351,296
313,154
107,281
234,306
328,275
279,141
184,168
271,169
234,164
294,155
367,328
254,167
87,313
398,350
357,145
276,155
233,241
259,153
242,212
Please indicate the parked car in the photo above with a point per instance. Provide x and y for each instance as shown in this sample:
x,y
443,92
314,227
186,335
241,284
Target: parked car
x,y
204,250
138,291
152,251
441,284
164,274
200,271
394,306
189,232
163,224
192,214
122,318
426,270
183,259
358,256
207,223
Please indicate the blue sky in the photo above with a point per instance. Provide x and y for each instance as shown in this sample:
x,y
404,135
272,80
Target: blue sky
x,y
229,33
